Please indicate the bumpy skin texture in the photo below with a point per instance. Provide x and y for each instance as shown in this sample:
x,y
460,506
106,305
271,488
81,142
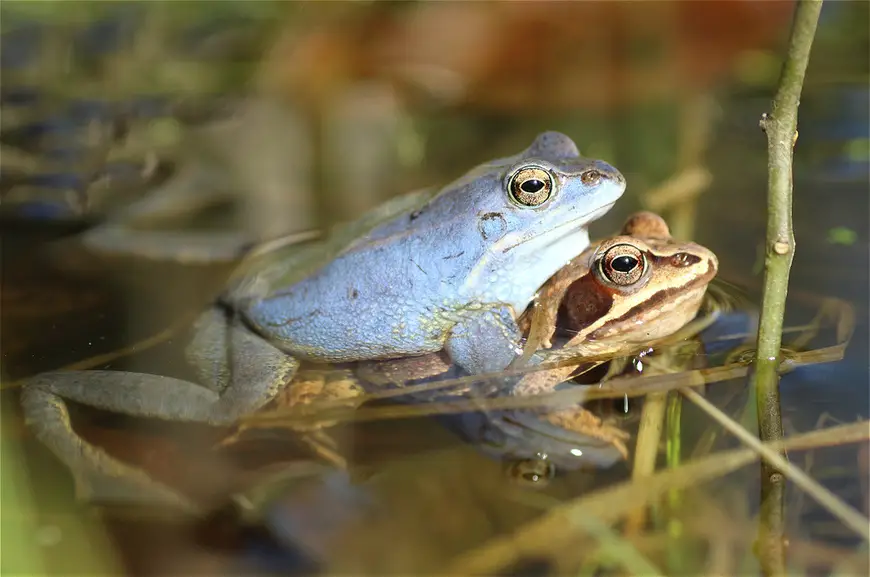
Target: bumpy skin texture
x,y
453,273
421,273
602,317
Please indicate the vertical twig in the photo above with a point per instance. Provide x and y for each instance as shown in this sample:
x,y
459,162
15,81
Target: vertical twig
x,y
646,453
781,129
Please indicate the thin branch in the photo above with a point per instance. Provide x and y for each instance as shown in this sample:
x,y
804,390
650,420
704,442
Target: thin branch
x,y
835,506
781,129
557,529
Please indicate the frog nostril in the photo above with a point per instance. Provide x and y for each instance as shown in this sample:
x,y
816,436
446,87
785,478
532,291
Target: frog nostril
x,y
591,177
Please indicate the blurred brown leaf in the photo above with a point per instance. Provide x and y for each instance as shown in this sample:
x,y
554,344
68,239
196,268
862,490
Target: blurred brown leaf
x,y
522,55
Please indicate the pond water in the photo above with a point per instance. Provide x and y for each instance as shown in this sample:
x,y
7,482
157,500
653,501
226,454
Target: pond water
x,y
418,493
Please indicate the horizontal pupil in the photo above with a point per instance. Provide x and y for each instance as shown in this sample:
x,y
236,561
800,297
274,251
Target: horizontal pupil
x,y
624,263
532,186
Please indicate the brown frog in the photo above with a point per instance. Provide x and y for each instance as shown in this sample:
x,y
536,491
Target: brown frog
x,y
626,292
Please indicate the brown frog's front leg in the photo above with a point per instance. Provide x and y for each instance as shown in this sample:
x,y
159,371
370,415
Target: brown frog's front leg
x,y
539,321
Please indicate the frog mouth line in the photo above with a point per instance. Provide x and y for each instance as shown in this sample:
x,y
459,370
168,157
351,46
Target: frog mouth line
x,y
599,211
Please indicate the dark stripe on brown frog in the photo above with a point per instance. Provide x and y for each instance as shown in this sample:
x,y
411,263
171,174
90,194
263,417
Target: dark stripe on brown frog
x,y
596,300
657,299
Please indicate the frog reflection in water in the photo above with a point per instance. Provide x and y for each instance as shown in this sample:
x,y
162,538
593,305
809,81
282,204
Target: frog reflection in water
x,y
447,270
622,294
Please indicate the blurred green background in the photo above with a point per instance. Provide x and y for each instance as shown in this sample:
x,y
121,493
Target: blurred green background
x,y
307,113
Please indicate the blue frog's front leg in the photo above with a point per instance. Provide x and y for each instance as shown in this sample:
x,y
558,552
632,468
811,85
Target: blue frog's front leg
x,y
485,341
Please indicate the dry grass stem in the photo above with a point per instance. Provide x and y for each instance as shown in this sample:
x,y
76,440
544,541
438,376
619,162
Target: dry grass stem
x,y
557,529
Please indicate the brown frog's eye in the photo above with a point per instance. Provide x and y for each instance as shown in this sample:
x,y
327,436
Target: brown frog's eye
x,y
590,177
623,264
531,186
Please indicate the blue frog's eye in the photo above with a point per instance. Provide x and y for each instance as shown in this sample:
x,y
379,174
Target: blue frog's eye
x,y
531,186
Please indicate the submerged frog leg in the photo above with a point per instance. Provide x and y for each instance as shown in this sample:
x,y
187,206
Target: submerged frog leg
x,y
126,233
98,476
258,372
485,341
